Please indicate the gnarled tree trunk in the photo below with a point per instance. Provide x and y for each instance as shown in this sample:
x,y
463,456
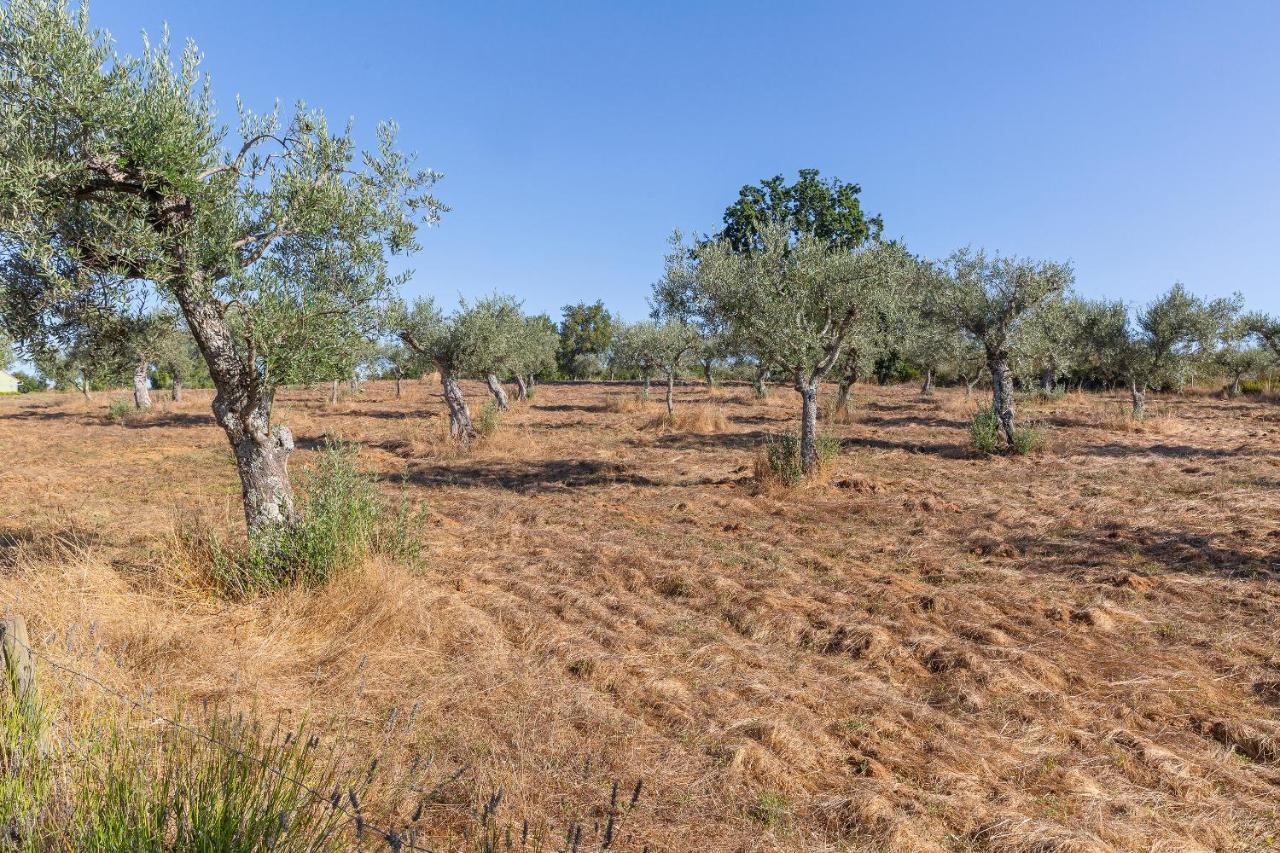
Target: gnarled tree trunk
x,y
843,391
460,426
708,374
645,392
1138,392
1002,394
926,387
242,407
1047,383
808,424
399,376
761,383
141,396
333,392
84,388
671,393
522,388
176,389
499,393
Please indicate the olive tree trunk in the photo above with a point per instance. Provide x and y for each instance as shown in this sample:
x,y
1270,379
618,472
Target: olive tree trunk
x,y
176,389
84,388
141,396
1138,392
522,388
843,391
926,387
707,374
242,407
399,376
645,392
499,393
460,426
1235,389
808,424
671,393
1002,395
761,383
333,391
1047,380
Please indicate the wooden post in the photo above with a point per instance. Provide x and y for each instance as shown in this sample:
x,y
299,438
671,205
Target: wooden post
x,y
17,658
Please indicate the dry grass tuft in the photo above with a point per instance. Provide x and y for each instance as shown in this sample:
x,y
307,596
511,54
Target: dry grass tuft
x,y
628,404
703,419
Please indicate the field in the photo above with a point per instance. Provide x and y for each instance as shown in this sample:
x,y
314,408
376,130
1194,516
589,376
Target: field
x,y
1074,650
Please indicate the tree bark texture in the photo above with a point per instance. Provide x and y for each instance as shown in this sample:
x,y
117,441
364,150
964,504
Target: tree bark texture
x,y
1138,392
1002,395
499,393
242,407
176,389
522,388
671,393
926,387
808,424
141,396
460,426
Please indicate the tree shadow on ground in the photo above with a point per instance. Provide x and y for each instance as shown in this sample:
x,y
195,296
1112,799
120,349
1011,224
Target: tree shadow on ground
x,y
935,448
551,474
43,544
914,420
1170,451
702,441
1179,551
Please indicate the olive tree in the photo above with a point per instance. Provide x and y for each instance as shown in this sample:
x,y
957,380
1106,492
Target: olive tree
x,y
991,298
1168,336
272,243
1043,352
634,350
674,344
491,334
794,302
1098,342
534,354
441,340
1238,354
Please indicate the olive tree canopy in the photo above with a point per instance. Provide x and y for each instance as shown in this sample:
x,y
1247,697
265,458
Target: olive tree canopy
x,y
795,302
992,297
271,241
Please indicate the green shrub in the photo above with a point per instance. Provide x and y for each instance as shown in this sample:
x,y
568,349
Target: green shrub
x,y
118,410
490,417
1030,438
780,456
342,519
168,789
222,784
984,431
1253,386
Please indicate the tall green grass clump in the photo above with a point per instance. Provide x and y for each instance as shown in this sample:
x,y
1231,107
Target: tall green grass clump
x,y
489,420
233,787
984,431
118,410
224,784
779,459
1030,438
343,519
25,774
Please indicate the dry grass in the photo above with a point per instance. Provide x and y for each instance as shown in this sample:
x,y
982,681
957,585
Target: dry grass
x,y
703,419
1076,650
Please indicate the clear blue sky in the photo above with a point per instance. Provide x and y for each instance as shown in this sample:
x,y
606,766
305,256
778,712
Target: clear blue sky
x,y
1140,139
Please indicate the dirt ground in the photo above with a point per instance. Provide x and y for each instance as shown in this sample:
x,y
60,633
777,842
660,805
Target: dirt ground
x,y
1071,651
